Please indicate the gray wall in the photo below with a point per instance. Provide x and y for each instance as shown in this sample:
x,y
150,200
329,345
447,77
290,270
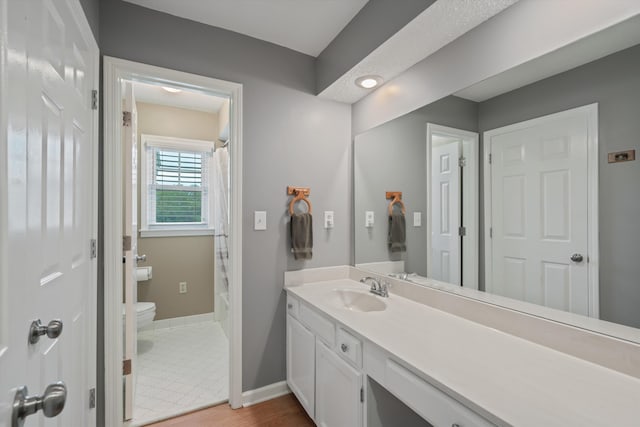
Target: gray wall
x,y
377,21
614,83
392,157
291,137
92,12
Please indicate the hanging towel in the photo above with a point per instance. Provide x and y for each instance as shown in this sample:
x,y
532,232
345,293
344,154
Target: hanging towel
x,y
301,235
397,232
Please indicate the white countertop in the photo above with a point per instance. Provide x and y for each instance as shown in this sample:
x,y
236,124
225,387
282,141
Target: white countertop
x,y
517,382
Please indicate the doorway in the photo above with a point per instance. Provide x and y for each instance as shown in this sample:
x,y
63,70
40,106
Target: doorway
x,y
166,184
541,207
452,200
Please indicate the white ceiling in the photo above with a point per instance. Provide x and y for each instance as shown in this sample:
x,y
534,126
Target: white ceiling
x,y
153,94
306,26
438,25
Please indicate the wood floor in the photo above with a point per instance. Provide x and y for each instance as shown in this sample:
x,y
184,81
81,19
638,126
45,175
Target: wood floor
x,y
284,411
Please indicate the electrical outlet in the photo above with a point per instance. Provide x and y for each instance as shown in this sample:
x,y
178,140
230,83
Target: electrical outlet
x,y
182,287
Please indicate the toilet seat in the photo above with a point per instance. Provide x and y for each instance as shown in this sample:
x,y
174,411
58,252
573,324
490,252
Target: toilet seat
x,y
145,313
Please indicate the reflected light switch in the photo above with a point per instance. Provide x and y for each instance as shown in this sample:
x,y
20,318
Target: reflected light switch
x,y
368,219
260,220
417,219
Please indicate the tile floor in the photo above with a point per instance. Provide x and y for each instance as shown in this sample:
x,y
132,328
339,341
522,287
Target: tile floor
x,y
180,369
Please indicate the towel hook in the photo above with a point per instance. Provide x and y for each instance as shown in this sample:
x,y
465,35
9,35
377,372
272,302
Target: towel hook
x,y
300,195
397,198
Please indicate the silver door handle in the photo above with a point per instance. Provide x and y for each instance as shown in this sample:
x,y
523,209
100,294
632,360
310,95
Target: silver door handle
x,y
141,258
51,403
577,257
53,330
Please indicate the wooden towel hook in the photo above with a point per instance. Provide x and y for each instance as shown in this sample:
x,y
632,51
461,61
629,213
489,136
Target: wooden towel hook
x,y
397,198
300,195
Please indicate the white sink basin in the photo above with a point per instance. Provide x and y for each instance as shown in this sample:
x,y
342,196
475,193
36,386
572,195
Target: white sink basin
x,y
356,300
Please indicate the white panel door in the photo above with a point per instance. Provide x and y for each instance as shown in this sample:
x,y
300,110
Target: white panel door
x,y
445,213
539,212
301,348
130,224
48,204
338,390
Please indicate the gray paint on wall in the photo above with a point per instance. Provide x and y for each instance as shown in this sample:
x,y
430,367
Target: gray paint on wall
x,y
376,22
614,83
91,10
392,157
291,137
386,410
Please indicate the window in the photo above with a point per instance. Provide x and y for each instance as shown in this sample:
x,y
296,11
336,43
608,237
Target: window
x,y
175,187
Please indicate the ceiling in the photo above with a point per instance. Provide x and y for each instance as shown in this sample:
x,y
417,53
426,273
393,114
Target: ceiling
x,y
306,26
153,94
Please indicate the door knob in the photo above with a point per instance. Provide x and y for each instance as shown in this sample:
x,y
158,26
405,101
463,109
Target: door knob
x,y
53,330
577,257
141,258
51,403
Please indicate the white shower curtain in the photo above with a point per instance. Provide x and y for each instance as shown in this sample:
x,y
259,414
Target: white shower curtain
x,y
221,214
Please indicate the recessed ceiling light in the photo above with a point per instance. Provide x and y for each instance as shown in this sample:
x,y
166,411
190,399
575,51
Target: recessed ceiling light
x,y
369,82
171,89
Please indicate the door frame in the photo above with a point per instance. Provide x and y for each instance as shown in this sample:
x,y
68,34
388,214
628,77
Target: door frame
x,y
593,255
470,208
116,69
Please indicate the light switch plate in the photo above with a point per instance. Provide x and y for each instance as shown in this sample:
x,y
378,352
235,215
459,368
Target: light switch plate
x,y
328,219
368,219
417,219
260,220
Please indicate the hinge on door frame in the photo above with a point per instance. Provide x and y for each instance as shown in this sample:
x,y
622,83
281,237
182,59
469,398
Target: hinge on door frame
x,y
92,398
93,248
126,118
94,99
126,243
490,158
361,394
126,367
491,232
462,231
462,162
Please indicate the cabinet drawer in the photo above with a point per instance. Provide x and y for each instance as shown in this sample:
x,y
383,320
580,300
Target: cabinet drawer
x,y
320,325
349,347
430,403
292,306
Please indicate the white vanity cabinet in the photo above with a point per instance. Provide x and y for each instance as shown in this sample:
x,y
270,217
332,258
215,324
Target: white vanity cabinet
x,y
326,384
339,391
301,347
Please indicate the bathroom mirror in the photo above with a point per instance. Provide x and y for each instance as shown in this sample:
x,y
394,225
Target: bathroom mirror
x,y
519,191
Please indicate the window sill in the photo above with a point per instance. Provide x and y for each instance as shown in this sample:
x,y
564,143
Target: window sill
x,y
179,232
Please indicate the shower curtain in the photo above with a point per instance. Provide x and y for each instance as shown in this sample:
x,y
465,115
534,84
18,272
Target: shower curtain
x,y
221,232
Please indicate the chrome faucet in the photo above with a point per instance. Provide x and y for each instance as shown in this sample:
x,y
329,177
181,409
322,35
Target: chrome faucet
x,y
378,287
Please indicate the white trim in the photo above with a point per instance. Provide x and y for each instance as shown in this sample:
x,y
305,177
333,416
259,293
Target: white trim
x,y
591,113
114,71
177,232
265,393
470,210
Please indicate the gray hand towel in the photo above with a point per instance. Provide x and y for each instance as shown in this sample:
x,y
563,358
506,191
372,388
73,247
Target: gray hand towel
x,y
301,235
397,232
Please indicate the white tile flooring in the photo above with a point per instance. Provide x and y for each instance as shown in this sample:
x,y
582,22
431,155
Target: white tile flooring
x,y
180,369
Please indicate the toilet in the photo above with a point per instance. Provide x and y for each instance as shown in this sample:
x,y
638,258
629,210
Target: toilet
x,y
145,313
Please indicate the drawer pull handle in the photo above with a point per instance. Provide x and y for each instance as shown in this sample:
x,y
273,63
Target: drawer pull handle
x,y
344,348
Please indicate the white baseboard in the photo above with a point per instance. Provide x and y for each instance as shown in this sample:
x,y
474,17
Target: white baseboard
x,y
262,394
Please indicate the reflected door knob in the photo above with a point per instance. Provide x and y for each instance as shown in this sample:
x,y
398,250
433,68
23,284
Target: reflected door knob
x,y
577,257
53,330
51,403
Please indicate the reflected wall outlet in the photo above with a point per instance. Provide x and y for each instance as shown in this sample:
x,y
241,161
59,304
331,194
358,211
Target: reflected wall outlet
x,y
417,219
182,287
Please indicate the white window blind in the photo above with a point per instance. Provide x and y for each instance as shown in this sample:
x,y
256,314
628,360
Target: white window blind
x,y
177,186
